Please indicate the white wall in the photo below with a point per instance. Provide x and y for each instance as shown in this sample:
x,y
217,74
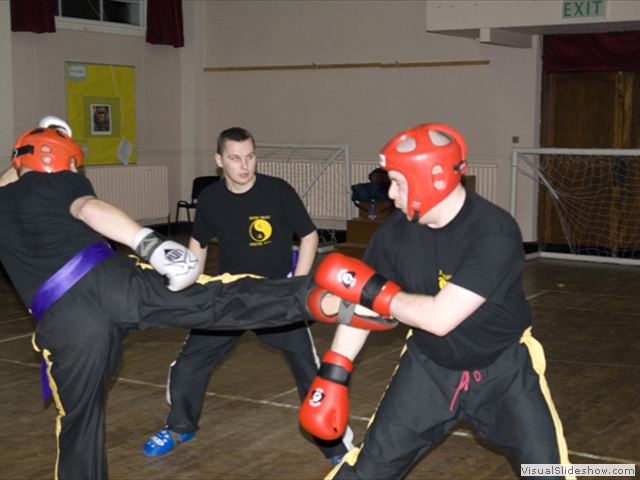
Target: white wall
x,y
39,87
365,107
181,109
7,138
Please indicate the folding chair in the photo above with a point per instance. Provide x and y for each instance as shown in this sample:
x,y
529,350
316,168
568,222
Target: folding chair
x,y
199,184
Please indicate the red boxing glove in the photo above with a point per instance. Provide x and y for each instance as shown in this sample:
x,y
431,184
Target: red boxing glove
x,y
346,314
325,410
355,281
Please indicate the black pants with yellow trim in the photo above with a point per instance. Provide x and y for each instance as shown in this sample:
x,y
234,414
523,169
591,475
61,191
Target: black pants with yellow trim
x,y
81,334
507,403
203,351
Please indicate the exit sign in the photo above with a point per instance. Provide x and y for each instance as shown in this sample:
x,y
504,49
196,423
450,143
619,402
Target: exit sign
x,y
584,9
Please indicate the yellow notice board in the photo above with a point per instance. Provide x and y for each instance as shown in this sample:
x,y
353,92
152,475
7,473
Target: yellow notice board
x,y
101,112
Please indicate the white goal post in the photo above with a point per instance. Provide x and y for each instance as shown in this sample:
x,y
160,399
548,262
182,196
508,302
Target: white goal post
x,y
596,195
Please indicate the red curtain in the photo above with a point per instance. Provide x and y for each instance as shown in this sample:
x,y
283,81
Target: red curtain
x,y
164,22
35,16
598,52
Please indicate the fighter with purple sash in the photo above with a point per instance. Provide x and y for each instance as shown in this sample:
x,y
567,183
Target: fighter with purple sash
x,y
87,298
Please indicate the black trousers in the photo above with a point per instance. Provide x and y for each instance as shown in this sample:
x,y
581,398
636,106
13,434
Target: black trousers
x,y
508,404
203,351
80,337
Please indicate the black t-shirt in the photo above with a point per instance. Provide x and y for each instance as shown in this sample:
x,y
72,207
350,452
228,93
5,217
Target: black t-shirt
x,y
38,234
479,250
254,229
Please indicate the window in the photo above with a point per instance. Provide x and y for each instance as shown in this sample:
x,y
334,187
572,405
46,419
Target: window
x,y
110,16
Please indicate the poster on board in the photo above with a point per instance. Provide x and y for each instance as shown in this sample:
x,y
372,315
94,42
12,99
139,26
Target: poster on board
x,y
101,111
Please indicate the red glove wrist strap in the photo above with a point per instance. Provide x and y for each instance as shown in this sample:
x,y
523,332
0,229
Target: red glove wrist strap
x,y
334,373
371,290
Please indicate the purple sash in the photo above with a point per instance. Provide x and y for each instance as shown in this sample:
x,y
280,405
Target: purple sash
x,y
294,263
58,284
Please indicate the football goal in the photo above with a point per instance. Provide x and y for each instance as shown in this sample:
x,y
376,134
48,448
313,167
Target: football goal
x,y
588,201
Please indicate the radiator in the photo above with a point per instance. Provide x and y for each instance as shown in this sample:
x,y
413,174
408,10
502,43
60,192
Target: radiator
x,y
141,191
329,199
486,180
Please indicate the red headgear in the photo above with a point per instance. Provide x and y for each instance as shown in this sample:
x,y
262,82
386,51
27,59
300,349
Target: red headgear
x,y
46,150
432,170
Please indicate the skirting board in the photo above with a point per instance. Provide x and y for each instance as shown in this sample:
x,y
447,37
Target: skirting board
x,y
584,258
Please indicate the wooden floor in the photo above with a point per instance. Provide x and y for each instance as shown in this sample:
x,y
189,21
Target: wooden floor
x,y
585,315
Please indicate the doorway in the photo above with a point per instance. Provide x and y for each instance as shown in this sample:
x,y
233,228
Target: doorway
x,y
591,110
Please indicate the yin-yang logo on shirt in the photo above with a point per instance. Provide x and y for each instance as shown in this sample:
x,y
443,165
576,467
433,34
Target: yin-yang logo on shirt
x,y
260,230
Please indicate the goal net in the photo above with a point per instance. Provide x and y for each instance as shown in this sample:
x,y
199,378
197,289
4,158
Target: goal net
x,y
588,200
320,174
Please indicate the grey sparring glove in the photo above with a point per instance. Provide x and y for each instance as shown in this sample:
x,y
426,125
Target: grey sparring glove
x,y
168,258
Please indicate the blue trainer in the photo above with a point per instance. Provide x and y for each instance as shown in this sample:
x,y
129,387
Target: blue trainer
x,y
335,460
164,441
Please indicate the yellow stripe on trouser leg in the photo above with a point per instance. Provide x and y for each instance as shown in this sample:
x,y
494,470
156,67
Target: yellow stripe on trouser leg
x,y
351,457
54,389
536,352
202,278
224,278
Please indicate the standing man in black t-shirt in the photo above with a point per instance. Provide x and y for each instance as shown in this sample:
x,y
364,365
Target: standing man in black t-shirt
x,y
254,218
448,263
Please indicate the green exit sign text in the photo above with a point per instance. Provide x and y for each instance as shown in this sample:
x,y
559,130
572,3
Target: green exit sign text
x,y
584,8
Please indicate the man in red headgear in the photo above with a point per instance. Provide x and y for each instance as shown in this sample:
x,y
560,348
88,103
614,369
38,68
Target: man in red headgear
x,y
448,263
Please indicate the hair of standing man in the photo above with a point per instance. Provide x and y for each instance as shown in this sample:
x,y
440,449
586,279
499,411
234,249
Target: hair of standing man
x,y
235,134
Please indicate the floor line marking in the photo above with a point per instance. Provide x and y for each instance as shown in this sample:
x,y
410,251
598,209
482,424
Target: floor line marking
x,y
536,295
18,362
238,398
217,395
234,397
592,364
286,392
17,319
462,433
364,419
16,338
